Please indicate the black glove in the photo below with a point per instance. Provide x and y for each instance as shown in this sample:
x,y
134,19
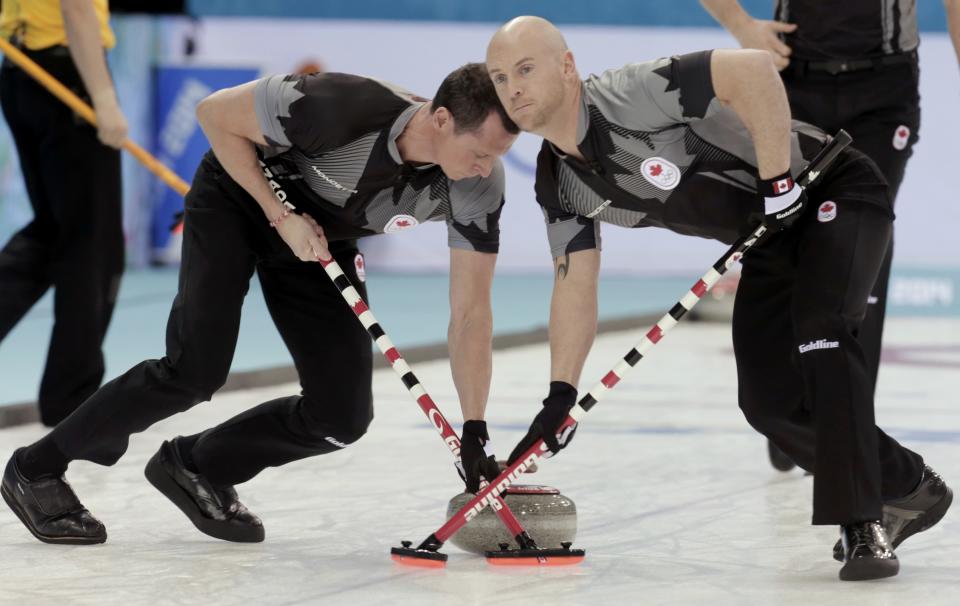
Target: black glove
x,y
545,425
783,201
474,460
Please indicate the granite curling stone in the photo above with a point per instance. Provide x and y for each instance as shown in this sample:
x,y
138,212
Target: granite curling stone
x,y
549,517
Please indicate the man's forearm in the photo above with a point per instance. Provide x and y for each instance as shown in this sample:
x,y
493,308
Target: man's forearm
x,y
86,49
728,13
748,82
236,152
953,24
239,158
573,314
469,339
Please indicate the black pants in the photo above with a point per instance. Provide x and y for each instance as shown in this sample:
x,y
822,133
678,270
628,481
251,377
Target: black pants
x,y
226,238
872,105
74,242
804,381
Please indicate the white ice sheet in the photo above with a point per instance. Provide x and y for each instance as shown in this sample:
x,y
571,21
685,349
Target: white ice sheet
x,y
677,503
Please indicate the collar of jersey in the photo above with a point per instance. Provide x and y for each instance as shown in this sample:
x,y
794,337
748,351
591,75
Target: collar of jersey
x,y
398,125
583,121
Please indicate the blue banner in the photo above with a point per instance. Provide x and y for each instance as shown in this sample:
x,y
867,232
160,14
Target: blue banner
x,y
179,142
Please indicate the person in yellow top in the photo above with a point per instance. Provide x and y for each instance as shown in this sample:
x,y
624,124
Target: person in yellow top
x,y
41,22
75,241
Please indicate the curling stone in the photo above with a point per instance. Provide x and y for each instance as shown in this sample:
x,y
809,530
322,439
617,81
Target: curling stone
x,y
549,517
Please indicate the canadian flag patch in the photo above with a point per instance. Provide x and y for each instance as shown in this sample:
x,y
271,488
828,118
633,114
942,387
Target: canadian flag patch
x,y
400,223
661,173
827,212
782,186
361,267
901,137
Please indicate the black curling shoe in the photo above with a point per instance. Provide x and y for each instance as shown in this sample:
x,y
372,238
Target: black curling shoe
x,y
214,510
919,510
916,512
49,508
867,553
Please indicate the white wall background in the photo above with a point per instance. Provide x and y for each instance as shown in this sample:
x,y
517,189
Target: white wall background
x,y
418,55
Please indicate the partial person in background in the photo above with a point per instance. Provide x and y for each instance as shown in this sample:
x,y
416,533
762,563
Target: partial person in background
x,y
300,167
850,65
74,243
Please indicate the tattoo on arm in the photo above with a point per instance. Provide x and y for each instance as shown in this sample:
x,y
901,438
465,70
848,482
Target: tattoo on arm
x,y
563,267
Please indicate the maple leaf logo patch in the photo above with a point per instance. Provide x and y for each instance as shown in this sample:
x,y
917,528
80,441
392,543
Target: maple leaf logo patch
x,y
827,212
901,137
660,173
400,223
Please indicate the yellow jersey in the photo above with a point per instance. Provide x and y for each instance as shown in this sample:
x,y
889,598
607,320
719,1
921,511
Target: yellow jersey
x,y
39,23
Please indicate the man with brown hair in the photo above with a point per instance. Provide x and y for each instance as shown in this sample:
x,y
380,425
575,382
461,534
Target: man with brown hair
x,y
300,167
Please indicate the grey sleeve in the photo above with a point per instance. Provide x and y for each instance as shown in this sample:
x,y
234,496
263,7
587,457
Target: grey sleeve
x,y
475,206
567,232
571,233
272,97
654,95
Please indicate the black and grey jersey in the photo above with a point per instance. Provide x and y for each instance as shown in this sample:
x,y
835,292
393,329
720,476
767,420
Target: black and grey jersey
x,y
332,153
660,151
849,29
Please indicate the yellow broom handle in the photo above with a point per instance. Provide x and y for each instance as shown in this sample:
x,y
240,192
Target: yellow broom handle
x,y
86,112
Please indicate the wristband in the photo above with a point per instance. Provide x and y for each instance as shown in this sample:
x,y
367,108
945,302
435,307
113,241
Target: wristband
x,y
778,193
283,215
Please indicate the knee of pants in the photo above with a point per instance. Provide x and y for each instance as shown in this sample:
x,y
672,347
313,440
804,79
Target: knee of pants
x,y
339,423
198,381
340,438
766,373
758,411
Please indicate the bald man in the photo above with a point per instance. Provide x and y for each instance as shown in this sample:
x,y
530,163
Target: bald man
x,y
702,144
